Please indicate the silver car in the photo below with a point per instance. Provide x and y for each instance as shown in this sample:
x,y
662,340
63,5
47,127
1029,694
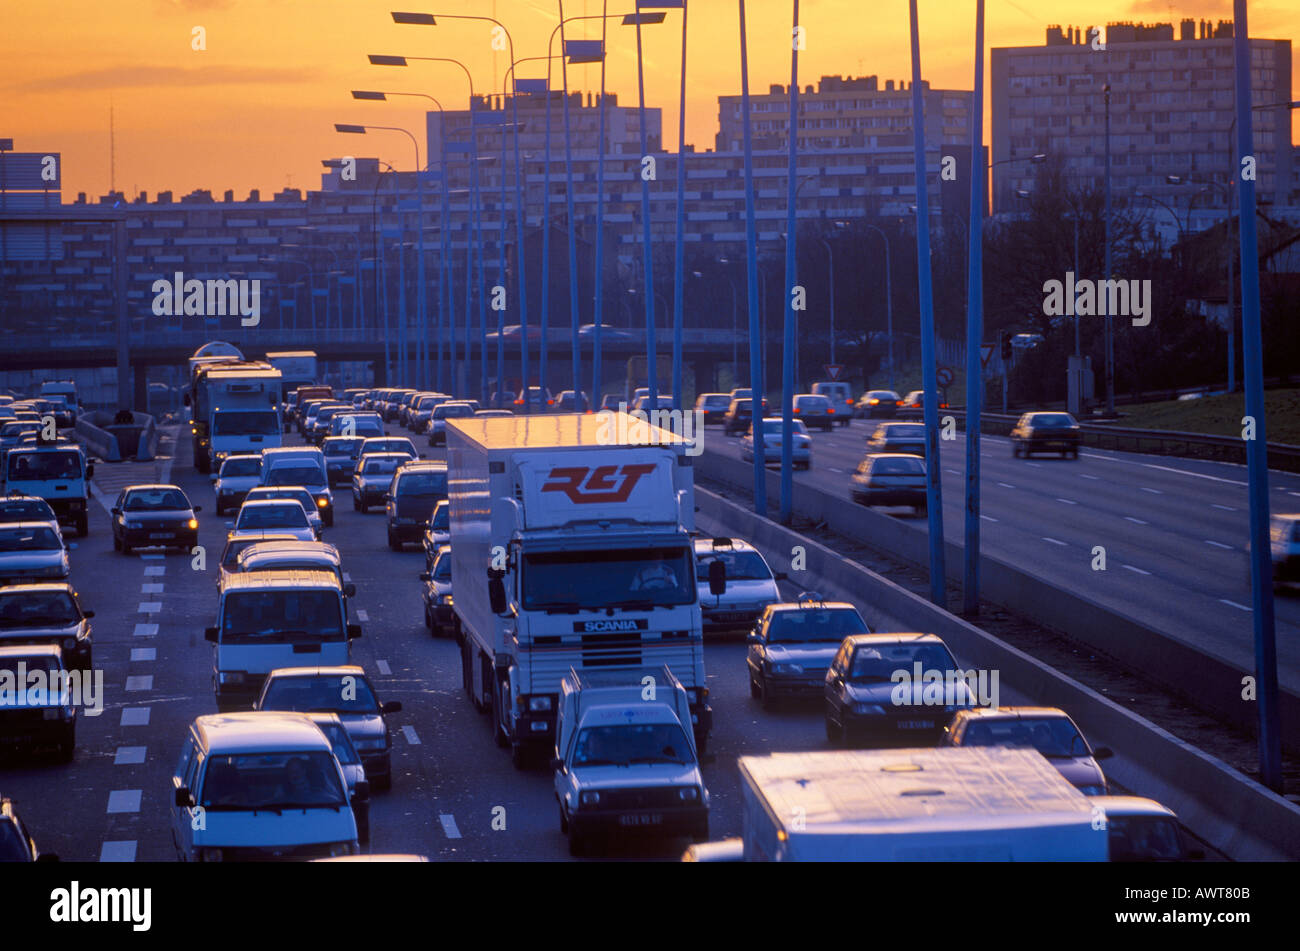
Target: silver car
x,y
32,551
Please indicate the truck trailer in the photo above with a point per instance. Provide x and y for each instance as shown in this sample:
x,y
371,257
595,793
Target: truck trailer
x,y
987,804
571,550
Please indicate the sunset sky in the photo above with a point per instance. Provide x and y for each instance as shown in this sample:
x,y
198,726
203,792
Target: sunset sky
x,y
256,108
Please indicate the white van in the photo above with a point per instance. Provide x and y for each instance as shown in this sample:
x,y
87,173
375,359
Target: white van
x,y
271,619
259,787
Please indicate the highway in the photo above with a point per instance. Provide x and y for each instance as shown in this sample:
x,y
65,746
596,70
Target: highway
x,y
1174,530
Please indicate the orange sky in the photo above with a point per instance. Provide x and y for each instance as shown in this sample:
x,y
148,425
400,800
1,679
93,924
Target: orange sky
x,y
256,108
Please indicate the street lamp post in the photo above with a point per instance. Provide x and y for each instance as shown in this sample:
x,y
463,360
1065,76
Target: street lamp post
x,y
889,304
751,262
791,280
1110,326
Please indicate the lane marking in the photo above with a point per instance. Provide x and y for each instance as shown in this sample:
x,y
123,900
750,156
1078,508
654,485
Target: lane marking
x,y
1135,521
362,616
135,716
346,576
151,589
988,518
140,682
1152,491
122,850
1054,541
1036,465
1150,465
953,471
1239,607
150,607
1068,501
129,756
1218,544
153,556
154,571
383,667
1084,475
145,630
144,653
1006,485
1226,508
411,736
1138,570
449,825
124,800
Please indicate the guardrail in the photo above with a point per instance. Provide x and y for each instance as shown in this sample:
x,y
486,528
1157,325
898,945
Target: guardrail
x,y
1161,442
114,441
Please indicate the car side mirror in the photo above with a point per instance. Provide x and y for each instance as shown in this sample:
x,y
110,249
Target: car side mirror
x,y
717,577
184,797
349,590
392,706
1103,752
87,614
196,508
425,576
210,634
354,631
497,591
362,792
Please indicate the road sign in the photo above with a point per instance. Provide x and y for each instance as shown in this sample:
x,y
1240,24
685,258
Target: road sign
x,y
833,370
986,353
944,376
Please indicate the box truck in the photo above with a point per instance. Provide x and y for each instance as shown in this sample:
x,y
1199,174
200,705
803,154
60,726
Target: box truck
x,y
991,804
571,550
235,408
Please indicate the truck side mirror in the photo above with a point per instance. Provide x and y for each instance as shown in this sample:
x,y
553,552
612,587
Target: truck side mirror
x,y
90,469
210,634
497,591
184,798
717,577
354,631
349,590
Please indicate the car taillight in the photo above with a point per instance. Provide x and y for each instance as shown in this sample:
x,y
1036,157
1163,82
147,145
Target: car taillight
x,y
519,402
550,402
831,410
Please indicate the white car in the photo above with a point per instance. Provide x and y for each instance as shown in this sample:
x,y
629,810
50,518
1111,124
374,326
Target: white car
x,y
750,584
298,493
800,448
275,515
237,475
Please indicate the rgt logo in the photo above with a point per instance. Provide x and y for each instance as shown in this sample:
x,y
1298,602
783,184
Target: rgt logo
x,y
596,486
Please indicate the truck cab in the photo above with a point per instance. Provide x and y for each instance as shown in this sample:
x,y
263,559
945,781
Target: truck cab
x,y
58,473
625,760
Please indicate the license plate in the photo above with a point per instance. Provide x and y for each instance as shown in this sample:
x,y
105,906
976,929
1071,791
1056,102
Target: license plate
x,y
916,724
653,819
161,535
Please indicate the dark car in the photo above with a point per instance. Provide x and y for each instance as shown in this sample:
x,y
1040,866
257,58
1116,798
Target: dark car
x,y
816,411
913,405
877,404
47,614
613,402
154,515
898,437
438,532
740,414
341,454
890,479
565,403
1045,432
374,473
793,644
1047,729
26,508
416,488
872,692
713,406
343,690
16,843
439,616
43,715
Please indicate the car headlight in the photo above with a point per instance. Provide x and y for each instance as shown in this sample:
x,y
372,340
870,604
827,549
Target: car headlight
x,y
689,793
444,599
539,704
322,502
1093,790
868,708
589,797
192,523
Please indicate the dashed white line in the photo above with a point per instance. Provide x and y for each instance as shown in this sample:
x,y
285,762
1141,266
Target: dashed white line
x,y
1135,521
145,630
151,589
953,471
1227,508
1152,491
1218,544
119,851
124,800
362,616
154,571
135,716
1068,501
144,653
1296,494
383,667
988,518
1036,465
1084,475
150,607
129,756
833,469
1239,607
140,682
411,736
1054,541
1006,485
346,576
449,825
1135,568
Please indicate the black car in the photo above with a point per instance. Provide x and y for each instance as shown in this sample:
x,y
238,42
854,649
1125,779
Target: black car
x,y
17,507
815,410
898,437
868,697
793,644
1045,432
890,479
439,616
416,488
740,414
154,515
16,842
877,404
47,614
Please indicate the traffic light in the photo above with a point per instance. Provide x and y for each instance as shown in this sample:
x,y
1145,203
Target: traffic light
x,y
1006,347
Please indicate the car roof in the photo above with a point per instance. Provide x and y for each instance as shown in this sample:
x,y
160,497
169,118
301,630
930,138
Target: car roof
x,y
267,503
894,455
34,587
296,546
1131,806
814,605
25,523
414,464
267,489
338,670
282,579
868,640
31,650
1013,713
259,731
704,546
266,534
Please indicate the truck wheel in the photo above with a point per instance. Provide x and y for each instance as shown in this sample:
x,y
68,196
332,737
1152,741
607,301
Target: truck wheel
x,y
83,525
701,743
393,543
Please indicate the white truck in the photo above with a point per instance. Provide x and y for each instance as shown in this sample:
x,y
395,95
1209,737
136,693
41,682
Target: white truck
x,y
297,367
625,761
571,550
997,804
235,409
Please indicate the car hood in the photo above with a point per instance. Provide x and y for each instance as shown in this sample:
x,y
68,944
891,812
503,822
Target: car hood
x,y
912,694
814,654
363,726
39,558
166,515
638,774
1079,770
39,632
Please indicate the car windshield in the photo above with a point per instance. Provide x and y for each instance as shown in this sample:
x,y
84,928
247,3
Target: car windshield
x,y
811,403
334,694
773,426
295,475
12,846
279,515
741,566
344,751
382,466
44,465
633,578
713,402
262,423
35,538
1143,838
272,781
876,663
422,483
342,446
1051,420
155,500
625,744
827,625
389,445
241,466
440,520
452,410
301,496
1054,737
42,663
882,395
260,617
898,467
26,510
902,432
38,609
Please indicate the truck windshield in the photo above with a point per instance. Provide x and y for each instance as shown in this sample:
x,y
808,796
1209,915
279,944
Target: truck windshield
x,y
272,781
626,744
632,578
39,466
245,424
260,617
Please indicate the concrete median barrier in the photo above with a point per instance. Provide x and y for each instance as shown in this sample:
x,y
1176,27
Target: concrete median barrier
x,y
112,440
